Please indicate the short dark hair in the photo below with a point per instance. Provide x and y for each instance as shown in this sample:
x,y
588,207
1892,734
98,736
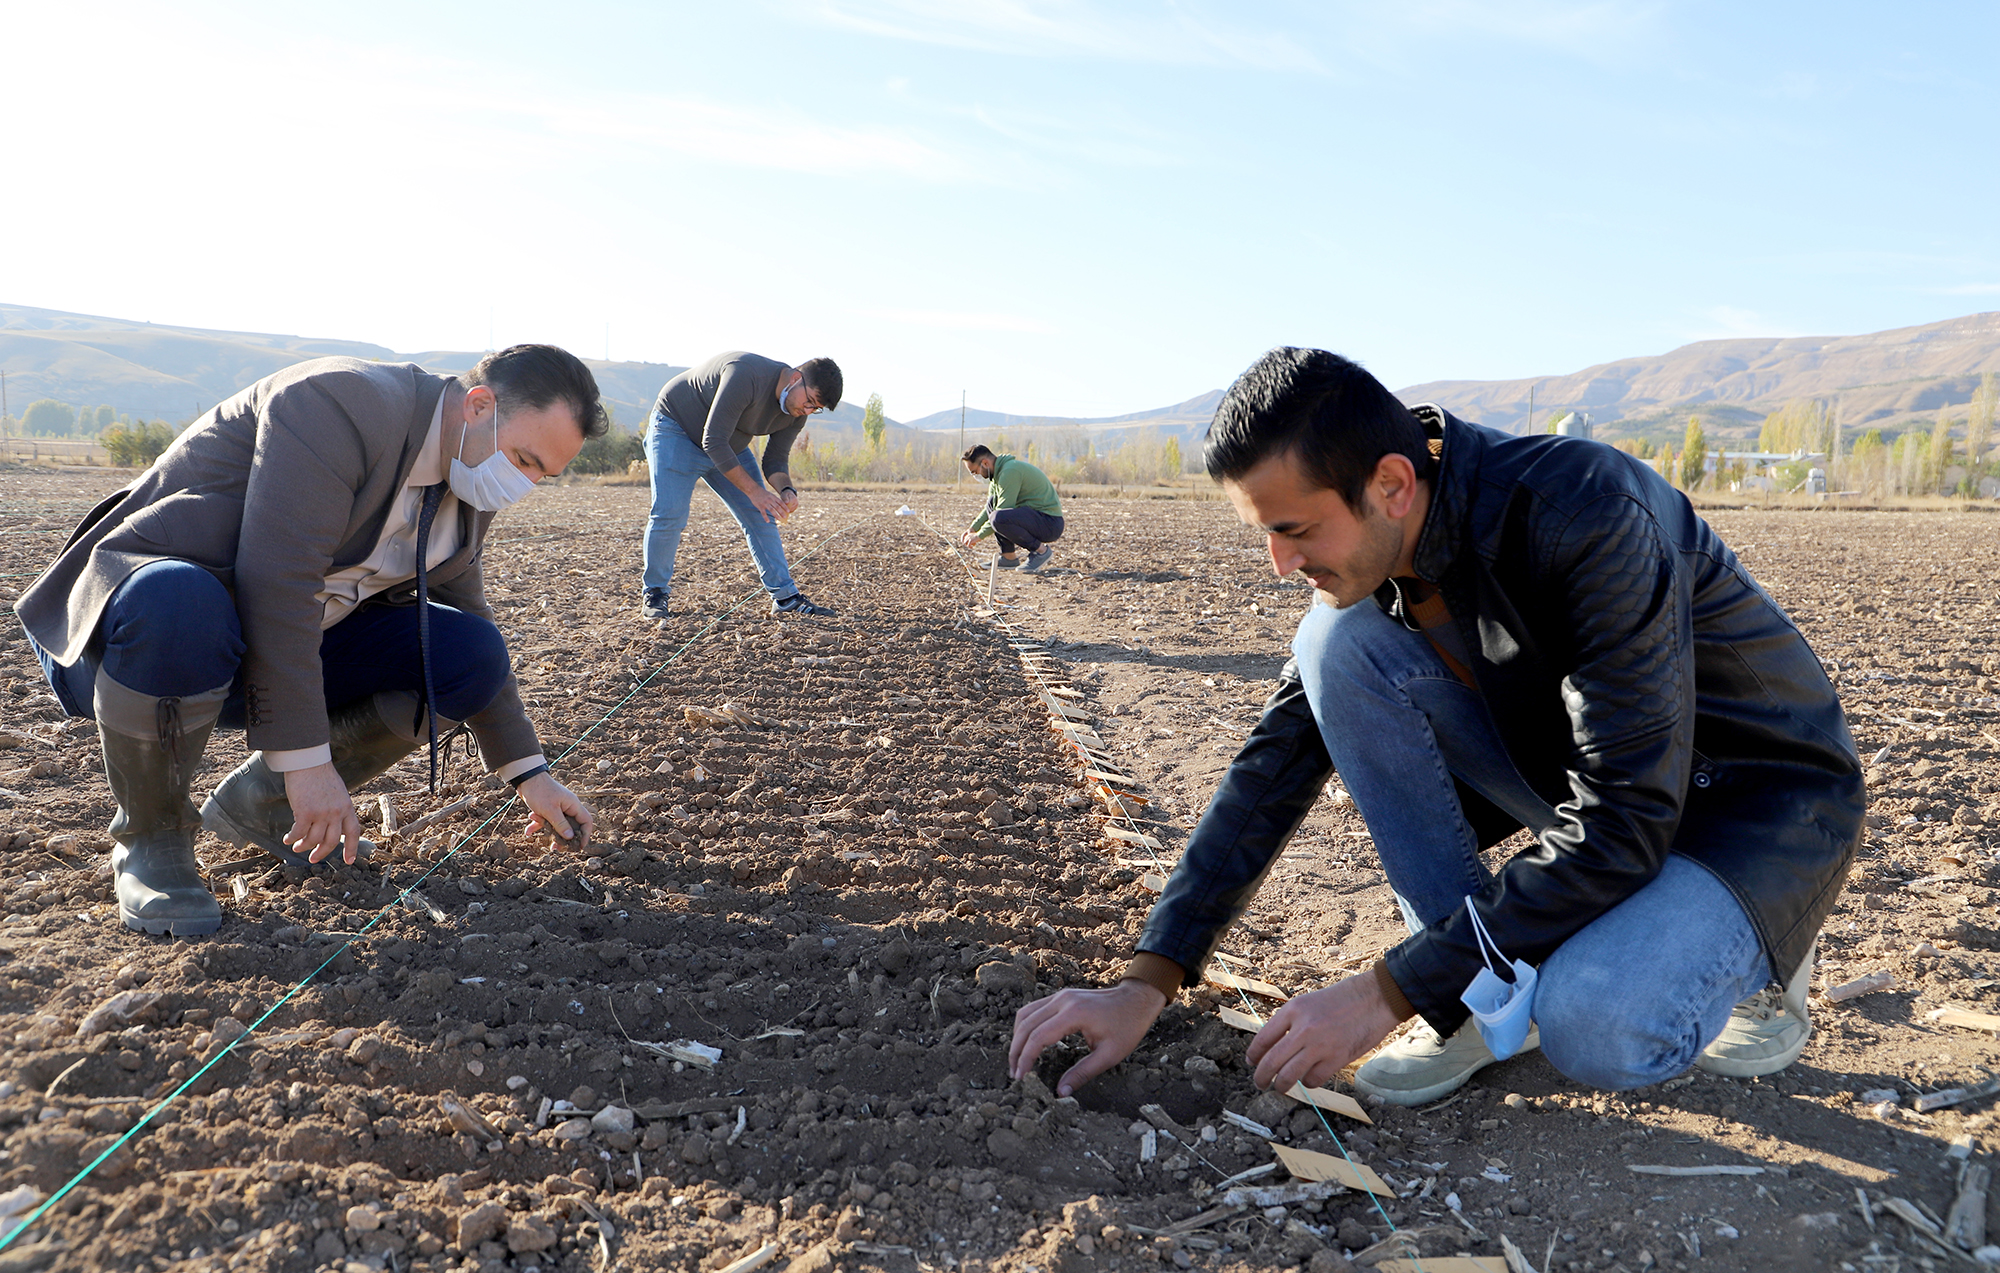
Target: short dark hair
x,y
822,376
973,452
534,376
1325,411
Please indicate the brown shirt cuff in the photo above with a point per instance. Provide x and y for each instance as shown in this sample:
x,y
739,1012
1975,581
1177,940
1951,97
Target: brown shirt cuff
x,y
1392,994
1157,971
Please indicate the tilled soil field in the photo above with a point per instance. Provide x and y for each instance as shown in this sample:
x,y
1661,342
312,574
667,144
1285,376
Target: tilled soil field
x,y
768,1007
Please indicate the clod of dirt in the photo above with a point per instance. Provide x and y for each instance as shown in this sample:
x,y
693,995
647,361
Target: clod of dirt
x,y
483,1223
530,1232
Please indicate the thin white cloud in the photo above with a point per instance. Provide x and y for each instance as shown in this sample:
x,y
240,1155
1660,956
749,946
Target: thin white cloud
x,y
762,136
960,320
1177,33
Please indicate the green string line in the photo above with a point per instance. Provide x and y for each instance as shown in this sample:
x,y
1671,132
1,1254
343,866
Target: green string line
x,y
1259,1019
81,1176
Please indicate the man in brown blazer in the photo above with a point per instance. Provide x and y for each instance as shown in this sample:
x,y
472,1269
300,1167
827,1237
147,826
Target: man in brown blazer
x,y
304,562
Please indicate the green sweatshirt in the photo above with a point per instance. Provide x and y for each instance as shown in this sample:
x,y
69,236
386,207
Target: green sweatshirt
x,y
1015,484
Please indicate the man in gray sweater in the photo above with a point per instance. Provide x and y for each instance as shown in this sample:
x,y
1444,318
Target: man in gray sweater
x,y
703,424
303,563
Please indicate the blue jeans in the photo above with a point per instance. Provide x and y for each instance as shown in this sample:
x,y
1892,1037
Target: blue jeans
x,y
1636,994
676,464
171,630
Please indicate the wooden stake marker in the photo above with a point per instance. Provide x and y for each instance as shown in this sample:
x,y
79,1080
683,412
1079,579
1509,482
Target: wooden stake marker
x,y
1241,1020
1248,984
1334,1102
1308,1164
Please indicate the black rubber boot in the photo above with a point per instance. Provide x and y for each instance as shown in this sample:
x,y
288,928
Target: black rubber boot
x,y
151,748
367,736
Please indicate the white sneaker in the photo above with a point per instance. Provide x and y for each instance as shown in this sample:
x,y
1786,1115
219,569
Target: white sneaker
x,y
1420,1067
1766,1032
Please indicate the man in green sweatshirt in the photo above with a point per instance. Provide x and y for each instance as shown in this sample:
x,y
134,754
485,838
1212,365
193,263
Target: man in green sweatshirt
x,y
1021,509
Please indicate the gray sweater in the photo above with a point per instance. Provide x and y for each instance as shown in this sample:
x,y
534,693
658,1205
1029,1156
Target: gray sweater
x,y
273,490
728,400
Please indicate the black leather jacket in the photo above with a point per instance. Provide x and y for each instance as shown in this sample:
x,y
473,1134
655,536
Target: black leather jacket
x,y
1644,685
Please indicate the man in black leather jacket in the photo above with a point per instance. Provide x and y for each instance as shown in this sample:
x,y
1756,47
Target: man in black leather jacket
x,y
1515,631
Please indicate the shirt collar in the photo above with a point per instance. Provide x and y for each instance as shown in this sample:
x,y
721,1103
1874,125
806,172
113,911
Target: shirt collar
x,y
430,465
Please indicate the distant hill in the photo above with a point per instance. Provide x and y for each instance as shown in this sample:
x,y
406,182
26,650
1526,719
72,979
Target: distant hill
x,y
1888,380
1880,379
156,371
1188,420
1884,379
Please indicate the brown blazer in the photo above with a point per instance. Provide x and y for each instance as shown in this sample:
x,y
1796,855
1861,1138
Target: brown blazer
x,y
273,490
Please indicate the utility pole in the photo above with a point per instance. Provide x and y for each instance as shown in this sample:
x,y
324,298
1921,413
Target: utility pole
x,y
961,437
1531,411
5,414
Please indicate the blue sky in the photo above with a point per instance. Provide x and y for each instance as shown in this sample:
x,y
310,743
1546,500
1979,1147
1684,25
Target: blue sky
x,y
1063,208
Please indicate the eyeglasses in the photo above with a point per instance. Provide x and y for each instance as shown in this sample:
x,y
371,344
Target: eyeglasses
x,y
814,407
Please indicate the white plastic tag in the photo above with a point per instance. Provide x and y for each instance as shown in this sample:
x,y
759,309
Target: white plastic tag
x,y
1502,1012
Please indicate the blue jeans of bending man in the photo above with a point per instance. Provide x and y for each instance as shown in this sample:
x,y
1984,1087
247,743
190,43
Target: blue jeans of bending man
x,y
1629,1000
676,464
171,630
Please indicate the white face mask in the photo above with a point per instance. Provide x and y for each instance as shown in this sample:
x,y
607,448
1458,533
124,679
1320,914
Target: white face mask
x,y
495,483
784,392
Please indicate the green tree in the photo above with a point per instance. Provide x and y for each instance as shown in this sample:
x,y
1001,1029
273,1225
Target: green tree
x,y
136,445
872,423
613,451
1800,425
1866,462
1979,419
1170,458
49,418
106,417
1694,454
1940,451
1667,468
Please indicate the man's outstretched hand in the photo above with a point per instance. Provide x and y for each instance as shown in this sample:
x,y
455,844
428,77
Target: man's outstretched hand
x,y
323,814
554,807
1112,1021
1315,1036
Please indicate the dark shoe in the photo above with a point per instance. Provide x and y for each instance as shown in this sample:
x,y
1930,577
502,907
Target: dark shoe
x,y
151,748
797,604
655,605
1037,559
250,808
1007,563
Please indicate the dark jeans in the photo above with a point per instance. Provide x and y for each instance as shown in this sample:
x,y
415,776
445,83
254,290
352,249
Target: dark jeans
x,y
1030,528
171,630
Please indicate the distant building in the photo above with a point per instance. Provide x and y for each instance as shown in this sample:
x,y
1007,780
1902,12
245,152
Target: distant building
x,y
1576,424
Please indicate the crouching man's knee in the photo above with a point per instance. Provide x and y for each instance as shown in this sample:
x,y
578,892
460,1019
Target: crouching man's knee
x,y
475,667
1598,1032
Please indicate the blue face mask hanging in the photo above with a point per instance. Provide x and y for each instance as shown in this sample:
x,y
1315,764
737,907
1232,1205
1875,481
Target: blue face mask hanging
x,y
1501,1011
